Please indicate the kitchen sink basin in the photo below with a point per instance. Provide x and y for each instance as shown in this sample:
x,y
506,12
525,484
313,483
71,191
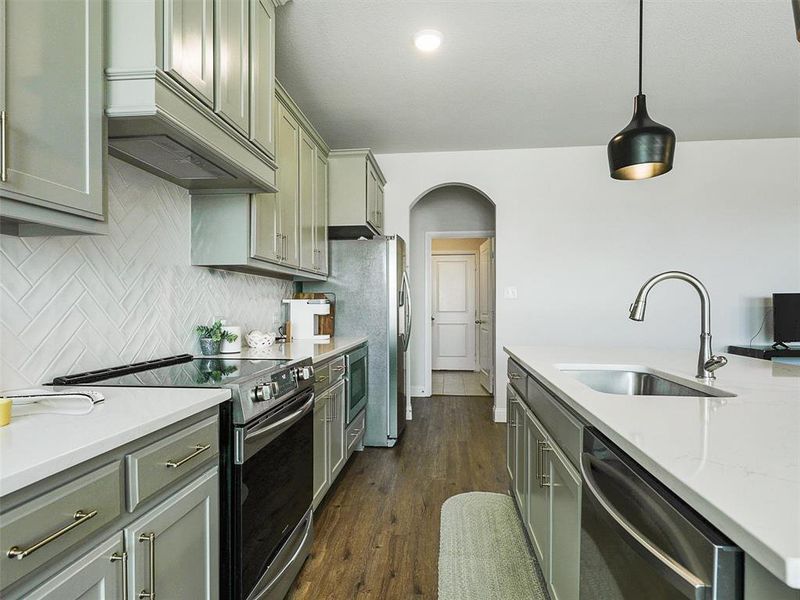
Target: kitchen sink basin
x,y
630,382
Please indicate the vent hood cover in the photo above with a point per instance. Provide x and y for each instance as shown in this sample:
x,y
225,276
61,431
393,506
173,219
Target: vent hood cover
x,y
164,154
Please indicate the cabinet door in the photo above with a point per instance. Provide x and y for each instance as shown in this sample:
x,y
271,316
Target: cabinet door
x,y
96,575
321,214
308,160
338,443
266,242
173,551
288,151
511,445
189,45
372,196
321,470
565,529
379,204
539,497
262,74
53,99
520,478
233,65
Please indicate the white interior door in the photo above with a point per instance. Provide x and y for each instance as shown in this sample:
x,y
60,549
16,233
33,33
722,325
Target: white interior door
x,y
486,314
453,312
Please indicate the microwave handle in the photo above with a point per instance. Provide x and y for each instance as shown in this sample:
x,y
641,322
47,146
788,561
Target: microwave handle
x,y
684,580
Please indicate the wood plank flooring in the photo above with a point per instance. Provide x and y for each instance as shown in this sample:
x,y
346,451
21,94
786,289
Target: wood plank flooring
x,y
377,531
457,383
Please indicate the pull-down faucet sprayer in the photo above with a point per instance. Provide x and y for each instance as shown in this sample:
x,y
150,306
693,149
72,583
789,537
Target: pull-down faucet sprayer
x,y
707,363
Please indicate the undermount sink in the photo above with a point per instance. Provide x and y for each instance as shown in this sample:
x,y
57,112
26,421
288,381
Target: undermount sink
x,y
629,382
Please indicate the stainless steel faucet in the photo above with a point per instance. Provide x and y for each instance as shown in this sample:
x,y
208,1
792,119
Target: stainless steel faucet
x,y
707,363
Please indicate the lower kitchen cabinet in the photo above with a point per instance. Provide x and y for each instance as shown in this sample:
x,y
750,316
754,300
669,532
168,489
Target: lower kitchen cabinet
x,y
547,489
173,550
330,448
97,575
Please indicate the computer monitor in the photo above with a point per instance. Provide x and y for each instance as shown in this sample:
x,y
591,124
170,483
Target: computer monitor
x,y
786,318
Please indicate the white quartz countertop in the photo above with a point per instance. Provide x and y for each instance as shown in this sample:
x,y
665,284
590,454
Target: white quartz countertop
x,y
34,447
736,460
319,352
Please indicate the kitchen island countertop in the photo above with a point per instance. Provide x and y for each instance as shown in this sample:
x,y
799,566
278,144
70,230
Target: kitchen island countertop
x,y
735,460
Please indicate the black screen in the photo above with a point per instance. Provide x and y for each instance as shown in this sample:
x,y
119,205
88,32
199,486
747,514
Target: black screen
x,y
787,317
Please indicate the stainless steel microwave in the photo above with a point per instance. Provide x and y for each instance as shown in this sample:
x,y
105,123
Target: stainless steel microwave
x,y
357,381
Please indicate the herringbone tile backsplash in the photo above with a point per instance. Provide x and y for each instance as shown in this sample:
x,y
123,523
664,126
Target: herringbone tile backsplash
x,y
75,303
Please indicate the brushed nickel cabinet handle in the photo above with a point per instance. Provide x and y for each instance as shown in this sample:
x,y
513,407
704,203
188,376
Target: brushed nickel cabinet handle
x,y
338,368
80,517
278,246
322,378
199,449
3,145
514,376
150,538
122,556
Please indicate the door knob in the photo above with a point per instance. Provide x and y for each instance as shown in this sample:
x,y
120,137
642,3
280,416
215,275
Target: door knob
x,y
479,322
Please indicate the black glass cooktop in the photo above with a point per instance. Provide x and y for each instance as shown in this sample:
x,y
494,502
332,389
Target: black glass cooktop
x,y
176,371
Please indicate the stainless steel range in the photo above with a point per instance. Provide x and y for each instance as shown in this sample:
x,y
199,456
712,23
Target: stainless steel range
x,y
267,461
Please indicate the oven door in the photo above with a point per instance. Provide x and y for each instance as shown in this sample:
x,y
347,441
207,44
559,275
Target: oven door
x,y
357,382
275,485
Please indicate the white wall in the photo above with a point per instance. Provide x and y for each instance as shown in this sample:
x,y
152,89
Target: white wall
x,y
577,245
446,209
76,303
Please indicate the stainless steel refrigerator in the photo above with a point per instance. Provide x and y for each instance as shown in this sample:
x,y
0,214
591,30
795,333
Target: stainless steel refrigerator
x,y
370,281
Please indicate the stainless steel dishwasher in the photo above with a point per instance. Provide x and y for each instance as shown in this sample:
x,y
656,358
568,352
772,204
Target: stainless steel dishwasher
x,y
638,540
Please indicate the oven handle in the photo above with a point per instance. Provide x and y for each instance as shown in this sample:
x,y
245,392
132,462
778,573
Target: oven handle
x,y
282,424
684,580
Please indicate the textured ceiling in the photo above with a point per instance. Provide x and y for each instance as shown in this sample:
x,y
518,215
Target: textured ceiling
x,y
523,74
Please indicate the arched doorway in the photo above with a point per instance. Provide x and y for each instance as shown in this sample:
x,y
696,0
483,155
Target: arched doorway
x,y
451,241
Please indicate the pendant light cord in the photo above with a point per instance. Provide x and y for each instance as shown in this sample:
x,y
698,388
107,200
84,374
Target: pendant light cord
x,y
641,9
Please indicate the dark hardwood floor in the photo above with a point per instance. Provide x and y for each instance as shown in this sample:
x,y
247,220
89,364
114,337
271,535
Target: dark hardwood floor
x,y
377,531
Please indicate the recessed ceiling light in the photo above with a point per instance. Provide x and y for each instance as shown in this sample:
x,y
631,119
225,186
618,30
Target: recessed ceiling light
x,y
428,40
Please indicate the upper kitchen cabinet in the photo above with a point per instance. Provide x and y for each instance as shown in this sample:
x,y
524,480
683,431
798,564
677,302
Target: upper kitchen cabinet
x,y
190,92
356,194
52,126
280,234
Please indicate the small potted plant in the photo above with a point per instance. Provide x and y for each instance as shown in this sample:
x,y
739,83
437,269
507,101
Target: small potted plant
x,y
211,337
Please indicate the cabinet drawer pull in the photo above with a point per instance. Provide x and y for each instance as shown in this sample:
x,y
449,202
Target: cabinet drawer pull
x,y
151,539
321,378
172,464
338,368
80,517
122,556
514,376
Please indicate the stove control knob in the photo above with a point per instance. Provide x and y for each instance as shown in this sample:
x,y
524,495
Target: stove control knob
x,y
265,392
304,373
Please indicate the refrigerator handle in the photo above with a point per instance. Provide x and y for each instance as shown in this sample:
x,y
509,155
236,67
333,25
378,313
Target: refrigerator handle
x,y
407,302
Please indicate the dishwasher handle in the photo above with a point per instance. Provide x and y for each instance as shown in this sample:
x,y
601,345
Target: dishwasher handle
x,y
686,582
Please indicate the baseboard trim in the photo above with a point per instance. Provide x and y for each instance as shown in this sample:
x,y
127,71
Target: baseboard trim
x,y
418,391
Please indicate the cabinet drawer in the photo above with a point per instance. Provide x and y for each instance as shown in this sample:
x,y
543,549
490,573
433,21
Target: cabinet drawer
x,y
49,525
517,377
355,432
565,429
160,464
328,374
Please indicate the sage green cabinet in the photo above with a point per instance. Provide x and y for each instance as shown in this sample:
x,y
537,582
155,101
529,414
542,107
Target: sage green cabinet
x,y
173,550
520,463
307,183
565,525
262,75
51,100
338,442
189,45
538,509
321,471
356,194
320,217
232,62
97,575
330,444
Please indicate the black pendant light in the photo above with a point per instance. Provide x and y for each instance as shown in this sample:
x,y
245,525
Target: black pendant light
x,y
644,148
